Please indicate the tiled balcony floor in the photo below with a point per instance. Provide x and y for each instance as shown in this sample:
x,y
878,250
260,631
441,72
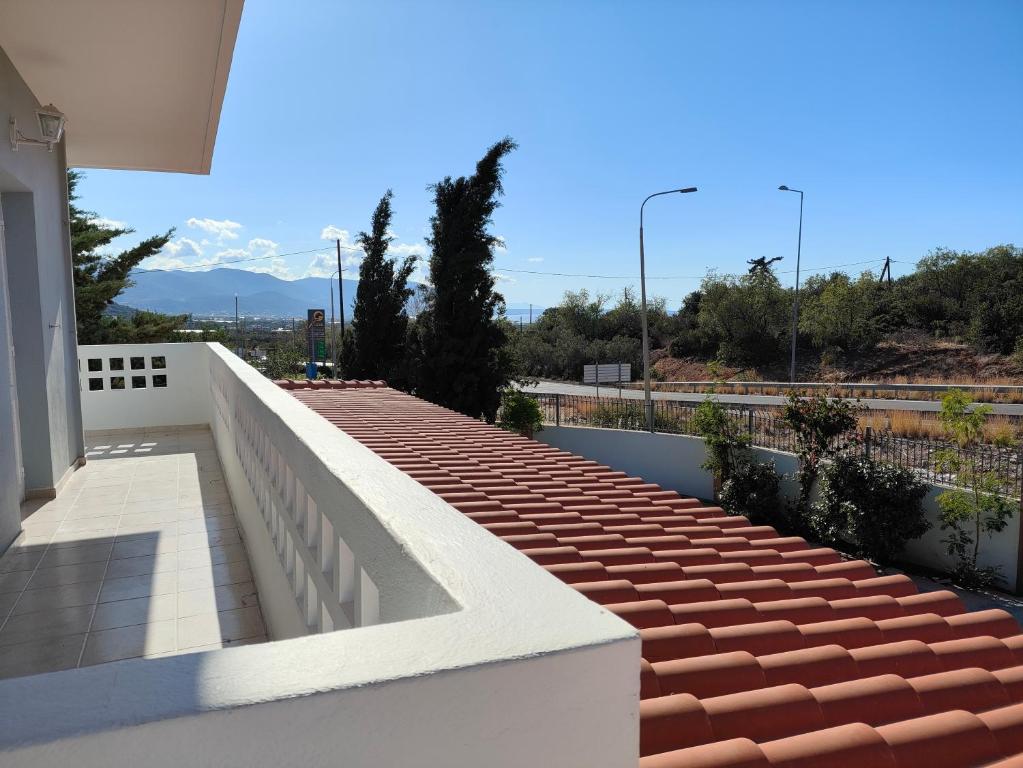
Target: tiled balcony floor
x,y
140,555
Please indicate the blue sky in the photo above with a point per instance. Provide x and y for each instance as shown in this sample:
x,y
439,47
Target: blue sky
x,y
900,120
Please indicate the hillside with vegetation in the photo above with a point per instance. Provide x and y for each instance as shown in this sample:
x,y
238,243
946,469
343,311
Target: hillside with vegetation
x,y
958,317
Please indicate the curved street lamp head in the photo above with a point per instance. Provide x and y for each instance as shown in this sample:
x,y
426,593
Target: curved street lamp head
x,y
783,188
686,190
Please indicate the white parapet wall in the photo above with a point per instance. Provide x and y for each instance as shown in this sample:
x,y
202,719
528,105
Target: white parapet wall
x,y
673,462
134,386
409,635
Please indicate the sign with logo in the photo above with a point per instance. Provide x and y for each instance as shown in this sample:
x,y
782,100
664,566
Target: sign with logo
x,y
316,335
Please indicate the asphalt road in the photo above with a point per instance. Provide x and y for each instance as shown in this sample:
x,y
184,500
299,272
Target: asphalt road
x,y
880,404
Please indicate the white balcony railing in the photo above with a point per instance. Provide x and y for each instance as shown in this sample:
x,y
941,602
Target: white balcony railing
x,y
405,634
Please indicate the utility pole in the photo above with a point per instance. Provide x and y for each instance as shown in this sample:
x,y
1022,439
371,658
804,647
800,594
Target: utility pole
x,y
530,314
886,271
340,290
237,329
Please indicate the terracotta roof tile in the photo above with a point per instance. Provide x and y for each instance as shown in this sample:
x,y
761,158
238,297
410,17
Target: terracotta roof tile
x,y
759,650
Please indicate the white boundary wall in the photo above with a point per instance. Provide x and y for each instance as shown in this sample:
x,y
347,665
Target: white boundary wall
x,y
479,657
673,462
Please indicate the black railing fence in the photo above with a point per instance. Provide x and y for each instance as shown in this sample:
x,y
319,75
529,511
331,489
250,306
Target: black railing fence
x,y
768,430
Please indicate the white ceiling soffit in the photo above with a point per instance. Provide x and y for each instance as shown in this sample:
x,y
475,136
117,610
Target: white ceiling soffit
x,y
141,81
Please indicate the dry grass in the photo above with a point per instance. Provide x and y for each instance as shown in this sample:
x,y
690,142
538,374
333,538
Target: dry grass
x,y
999,430
986,395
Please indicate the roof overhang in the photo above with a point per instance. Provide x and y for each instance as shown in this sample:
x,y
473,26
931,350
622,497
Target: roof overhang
x,y
141,82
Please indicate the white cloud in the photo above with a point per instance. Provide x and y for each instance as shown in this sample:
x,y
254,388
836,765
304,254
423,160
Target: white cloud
x,y
99,221
502,278
408,249
330,232
184,247
535,259
322,265
223,229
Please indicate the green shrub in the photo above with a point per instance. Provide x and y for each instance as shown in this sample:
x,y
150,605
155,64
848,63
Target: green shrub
x,y
981,508
519,412
876,505
822,428
751,490
724,436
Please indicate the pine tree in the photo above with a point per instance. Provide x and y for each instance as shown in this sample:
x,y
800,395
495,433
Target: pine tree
x,y
380,320
99,280
462,361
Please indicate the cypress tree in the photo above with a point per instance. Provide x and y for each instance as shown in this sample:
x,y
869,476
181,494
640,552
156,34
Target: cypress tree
x,y
98,280
380,320
462,361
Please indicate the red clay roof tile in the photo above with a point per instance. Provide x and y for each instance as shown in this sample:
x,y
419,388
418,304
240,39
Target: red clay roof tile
x,y
747,635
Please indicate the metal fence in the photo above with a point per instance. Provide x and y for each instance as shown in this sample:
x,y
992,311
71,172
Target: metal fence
x,y
768,430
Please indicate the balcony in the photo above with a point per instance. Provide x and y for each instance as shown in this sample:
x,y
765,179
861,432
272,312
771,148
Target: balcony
x,y
216,510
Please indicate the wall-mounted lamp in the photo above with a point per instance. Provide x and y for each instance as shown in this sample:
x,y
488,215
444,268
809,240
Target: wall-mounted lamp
x,y
51,128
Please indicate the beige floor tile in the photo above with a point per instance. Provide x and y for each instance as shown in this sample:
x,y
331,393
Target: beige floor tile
x,y
15,581
163,515
206,525
144,545
138,586
55,598
63,539
7,601
137,566
146,530
91,553
20,561
129,642
46,515
213,600
208,539
39,656
206,629
140,610
197,558
46,624
67,574
105,524
214,576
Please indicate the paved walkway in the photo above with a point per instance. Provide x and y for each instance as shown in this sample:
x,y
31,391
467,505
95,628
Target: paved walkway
x,y
140,555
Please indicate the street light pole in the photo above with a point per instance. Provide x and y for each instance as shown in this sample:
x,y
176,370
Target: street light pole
x,y
642,294
795,303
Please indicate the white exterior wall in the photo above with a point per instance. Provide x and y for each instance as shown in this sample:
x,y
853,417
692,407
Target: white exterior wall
x,y
462,653
673,462
184,401
38,317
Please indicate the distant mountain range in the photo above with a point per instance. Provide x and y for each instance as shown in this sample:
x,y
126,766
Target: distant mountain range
x,y
211,293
